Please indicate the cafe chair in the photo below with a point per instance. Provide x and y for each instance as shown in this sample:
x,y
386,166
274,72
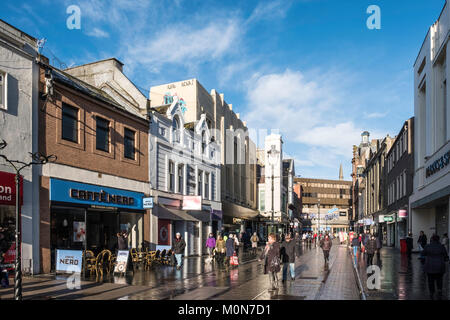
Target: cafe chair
x,y
90,261
103,263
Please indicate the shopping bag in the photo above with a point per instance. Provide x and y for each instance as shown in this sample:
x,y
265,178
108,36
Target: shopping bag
x,y
234,261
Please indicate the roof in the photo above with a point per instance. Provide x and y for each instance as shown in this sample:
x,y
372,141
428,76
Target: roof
x,y
65,78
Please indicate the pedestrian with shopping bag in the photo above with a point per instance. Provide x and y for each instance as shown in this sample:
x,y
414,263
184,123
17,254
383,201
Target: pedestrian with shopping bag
x,y
422,242
271,258
230,247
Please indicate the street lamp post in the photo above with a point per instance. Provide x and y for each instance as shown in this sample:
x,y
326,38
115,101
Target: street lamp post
x,y
318,219
273,153
17,165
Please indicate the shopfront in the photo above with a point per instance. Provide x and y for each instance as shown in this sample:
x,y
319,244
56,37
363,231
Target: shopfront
x,y
85,216
8,215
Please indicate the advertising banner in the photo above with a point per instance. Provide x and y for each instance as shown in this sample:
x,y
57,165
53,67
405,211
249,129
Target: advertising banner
x,y
163,232
402,213
192,203
122,261
79,231
147,203
8,189
69,260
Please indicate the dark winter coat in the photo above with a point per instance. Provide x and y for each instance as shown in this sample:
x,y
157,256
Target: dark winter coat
x,y
371,246
409,243
288,251
229,244
326,244
435,258
423,241
365,238
379,243
355,242
268,255
178,246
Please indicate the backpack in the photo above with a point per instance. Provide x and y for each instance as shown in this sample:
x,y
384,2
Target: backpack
x,y
275,264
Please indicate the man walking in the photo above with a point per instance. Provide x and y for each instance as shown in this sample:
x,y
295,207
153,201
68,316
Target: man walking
x,y
355,245
178,249
371,247
326,244
254,240
435,258
422,241
287,250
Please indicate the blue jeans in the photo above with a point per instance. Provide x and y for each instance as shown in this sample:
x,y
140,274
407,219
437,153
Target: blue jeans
x,y
179,257
355,252
291,269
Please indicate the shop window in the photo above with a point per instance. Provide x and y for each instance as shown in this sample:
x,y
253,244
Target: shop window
x,y
102,134
69,123
129,143
3,91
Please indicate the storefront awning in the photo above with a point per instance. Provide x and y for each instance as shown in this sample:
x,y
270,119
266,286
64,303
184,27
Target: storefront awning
x,y
237,211
201,215
163,212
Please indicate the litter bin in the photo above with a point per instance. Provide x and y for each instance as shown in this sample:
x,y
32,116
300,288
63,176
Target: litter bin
x,y
403,245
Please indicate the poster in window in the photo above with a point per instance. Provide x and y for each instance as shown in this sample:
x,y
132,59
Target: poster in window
x,y
163,232
79,231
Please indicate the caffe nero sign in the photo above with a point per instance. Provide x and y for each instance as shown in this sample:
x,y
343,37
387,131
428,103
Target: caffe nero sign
x,y
83,193
438,164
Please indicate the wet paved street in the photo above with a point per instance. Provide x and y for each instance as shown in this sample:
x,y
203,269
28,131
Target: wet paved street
x,y
400,279
197,280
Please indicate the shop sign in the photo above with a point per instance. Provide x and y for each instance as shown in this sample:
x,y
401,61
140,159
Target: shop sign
x,y
402,213
381,218
237,220
438,164
147,203
8,189
388,219
192,203
69,260
122,261
82,193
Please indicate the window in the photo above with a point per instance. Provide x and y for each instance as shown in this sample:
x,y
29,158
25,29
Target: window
x,y
102,134
69,123
206,185
203,142
200,183
180,178
262,200
212,186
128,143
404,183
3,91
176,129
171,177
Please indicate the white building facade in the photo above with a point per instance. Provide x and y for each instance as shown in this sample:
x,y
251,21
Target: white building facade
x,y
429,203
19,94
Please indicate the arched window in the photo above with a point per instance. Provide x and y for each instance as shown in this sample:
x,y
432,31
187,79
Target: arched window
x,y
176,129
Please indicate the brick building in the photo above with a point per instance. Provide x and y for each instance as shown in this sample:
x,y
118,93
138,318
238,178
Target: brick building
x,y
96,186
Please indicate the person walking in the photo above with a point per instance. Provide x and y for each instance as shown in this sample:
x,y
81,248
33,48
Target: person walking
x,y
379,241
230,247
122,243
271,257
365,237
435,258
371,247
422,241
409,245
326,244
254,240
210,245
178,249
220,249
445,241
356,244
288,247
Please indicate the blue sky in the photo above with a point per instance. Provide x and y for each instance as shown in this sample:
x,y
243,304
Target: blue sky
x,y
309,69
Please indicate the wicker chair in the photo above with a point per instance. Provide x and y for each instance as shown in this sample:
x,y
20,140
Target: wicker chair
x,y
103,263
90,261
149,259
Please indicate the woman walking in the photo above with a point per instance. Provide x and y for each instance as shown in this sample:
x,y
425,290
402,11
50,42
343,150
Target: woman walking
x,y
220,249
435,258
271,257
230,247
210,245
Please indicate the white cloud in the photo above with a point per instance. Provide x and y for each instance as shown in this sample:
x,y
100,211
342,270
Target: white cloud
x,y
98,33
376,115
269,9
